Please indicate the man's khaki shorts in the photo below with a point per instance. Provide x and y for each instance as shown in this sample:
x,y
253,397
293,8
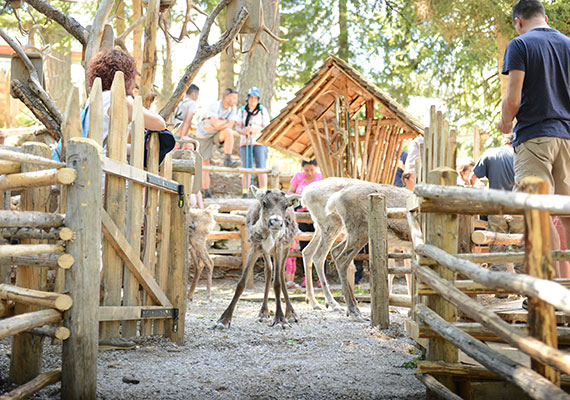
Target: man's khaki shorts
x,y
208,144
545,157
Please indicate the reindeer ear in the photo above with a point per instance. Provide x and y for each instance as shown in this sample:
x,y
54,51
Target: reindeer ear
x,y
293,200
257,193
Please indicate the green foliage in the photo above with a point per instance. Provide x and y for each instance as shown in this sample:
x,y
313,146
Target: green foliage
x,y
412,364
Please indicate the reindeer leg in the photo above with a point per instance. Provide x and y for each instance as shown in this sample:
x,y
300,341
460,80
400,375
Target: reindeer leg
x,y
407,263
226,318
207,261
391,263
353,246
279,316
197,272
264,311
290,314
308,253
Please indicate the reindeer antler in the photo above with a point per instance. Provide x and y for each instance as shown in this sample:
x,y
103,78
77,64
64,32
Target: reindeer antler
x,y
263,28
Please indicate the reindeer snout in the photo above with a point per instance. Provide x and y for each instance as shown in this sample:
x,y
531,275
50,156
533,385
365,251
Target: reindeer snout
x,y
275,222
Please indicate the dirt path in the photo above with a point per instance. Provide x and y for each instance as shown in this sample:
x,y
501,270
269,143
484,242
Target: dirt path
x,y
323,356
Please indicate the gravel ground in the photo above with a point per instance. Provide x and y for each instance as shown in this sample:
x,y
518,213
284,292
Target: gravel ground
x,y
323,356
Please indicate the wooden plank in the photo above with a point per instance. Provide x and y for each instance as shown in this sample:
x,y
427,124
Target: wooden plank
x,y
536,386
372,151
22,322
134,214
115,202
135,265
377,233
25,362
84,202
161,270
31,387
178,264
442,232
135,174
96,116
377,150
434,386
150,223
30,219
538,263
129,313
315,144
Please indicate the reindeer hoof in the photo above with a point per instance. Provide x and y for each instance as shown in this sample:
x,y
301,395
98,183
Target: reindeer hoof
x,y
281,323
220,325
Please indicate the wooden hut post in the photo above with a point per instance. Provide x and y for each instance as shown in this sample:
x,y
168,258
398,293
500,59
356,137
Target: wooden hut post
x,y
178,264
442,232
26,360
538,262
79,356
377,234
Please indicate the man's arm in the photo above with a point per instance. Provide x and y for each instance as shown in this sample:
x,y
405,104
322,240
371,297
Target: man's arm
x,y
511,103
219,123
187,124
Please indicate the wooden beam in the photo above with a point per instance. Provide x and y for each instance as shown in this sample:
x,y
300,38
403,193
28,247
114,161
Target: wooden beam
x,y
54,332
498,238
30,219
33,386
535,385
538,263
131,313
546,290
435,386
38,298
9,155
547,354
22,322
17,250
138,175
377,234
10,167
135,265
27,180
35,233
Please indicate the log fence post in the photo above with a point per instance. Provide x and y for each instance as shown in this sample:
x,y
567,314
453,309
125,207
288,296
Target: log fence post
x,y
442,231
377,233
84,200
538,263
26,360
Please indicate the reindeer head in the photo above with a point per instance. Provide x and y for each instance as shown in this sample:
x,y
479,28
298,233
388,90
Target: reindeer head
x,y
274,206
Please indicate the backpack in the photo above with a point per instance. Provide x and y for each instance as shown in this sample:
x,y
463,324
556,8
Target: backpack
x,y
56,153
180,113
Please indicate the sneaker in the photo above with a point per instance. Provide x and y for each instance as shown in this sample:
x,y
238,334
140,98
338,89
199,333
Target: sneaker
x,y
319,283
207,194
291,285
115,344
304,282
524,304
231,163
244,196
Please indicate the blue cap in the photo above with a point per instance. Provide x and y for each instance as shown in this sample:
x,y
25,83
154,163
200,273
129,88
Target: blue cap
x,y
254,92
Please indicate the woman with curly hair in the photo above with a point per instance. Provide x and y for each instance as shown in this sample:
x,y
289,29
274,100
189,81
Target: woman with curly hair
x,y
104,65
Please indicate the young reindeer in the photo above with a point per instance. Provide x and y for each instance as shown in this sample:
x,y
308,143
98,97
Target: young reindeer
x,y
342,203
200,224
271,226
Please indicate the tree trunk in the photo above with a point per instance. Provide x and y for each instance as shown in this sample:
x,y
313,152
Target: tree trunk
x,y
502,43
343,30
58,76
167,84
137,34
226,71
260,69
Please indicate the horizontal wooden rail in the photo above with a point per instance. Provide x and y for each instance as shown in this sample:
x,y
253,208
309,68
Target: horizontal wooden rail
x,y
478,331
187,166
6,308
22,322
527,344
34,233
138,175
545,290
465,371
10,167
39,298
214,168
33,386
30,219
455,199
534,384
64,260
471,288
222,218
55,332
126,313
505,239
16,250
35,179
437,387
9,155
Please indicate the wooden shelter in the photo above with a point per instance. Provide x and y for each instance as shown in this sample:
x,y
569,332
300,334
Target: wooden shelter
x,y
348,124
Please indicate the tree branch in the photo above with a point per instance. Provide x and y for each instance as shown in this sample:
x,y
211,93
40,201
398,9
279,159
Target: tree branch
x,y
68,23
94,41
205,52
25,95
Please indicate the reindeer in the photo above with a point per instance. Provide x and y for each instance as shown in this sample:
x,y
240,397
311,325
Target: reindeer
x,y
337,203
271,227
200,224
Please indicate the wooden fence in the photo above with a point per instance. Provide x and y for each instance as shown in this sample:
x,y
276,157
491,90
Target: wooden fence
x,y
449,279
127,260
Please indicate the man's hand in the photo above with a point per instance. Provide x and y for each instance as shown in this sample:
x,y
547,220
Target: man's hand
x,y
505,127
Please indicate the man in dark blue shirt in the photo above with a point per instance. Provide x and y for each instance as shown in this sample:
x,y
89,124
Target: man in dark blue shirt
x,y
497,165
538,65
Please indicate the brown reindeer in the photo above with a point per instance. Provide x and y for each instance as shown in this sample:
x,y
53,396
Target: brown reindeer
x,y
200,224
338,204
271,226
